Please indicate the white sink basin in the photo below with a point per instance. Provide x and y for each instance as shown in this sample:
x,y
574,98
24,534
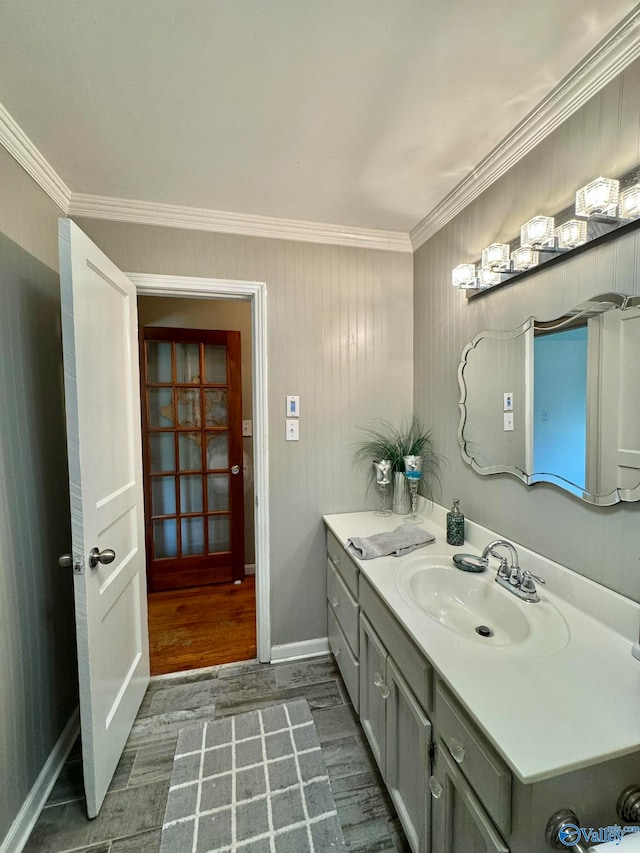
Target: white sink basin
x,y
476,608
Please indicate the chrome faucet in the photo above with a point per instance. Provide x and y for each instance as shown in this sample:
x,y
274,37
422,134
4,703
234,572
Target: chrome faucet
x,y
510,575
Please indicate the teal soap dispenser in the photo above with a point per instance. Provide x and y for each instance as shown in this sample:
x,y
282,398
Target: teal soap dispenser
x,y
455,525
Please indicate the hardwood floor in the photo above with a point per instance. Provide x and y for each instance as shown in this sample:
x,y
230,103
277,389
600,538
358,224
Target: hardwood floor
x,y
131,818
202,626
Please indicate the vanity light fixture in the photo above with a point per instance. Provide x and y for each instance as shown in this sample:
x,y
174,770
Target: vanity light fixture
x,y
495,257
464,276
524,258
601,207
630,202
598,198
571,234
538,233
487,278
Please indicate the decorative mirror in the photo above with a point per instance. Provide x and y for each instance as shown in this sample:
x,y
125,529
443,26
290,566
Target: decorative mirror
x,y
558,401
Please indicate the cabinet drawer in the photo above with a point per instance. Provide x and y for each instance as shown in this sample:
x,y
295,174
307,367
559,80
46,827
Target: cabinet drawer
x,y
485,770
343,563
415,669
345,607
347,663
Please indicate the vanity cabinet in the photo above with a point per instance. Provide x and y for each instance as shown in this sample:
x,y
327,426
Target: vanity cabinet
x,y
452,791
459,821
393,689
343,612
399,734
476,759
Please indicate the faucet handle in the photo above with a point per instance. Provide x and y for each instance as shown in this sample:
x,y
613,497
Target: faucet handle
x,y
527,584
536,577
503,568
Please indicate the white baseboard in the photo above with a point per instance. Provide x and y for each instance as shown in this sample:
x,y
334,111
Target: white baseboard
x,y
295,651
22,826
250,569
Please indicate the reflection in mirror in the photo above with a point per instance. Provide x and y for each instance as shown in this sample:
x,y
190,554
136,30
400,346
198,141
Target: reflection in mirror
x,y
558,401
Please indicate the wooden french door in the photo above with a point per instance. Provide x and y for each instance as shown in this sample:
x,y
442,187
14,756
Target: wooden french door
x,y
192,457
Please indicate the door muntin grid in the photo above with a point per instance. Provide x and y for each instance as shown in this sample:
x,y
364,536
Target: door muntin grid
x,y
189,471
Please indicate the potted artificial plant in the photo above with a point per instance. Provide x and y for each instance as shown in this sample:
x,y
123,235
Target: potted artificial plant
x,y
385,440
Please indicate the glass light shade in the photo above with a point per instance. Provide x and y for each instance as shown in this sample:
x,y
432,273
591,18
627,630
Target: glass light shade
x,y
464,276
496,257
487,278
572,233
537,232
598,198
630,202
525,258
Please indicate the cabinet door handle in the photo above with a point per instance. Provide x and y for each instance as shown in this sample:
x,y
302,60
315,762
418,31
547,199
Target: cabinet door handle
x,y
457,750
435,787
335,601
379,682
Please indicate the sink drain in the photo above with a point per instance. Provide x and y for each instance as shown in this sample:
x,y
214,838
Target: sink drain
x,y
484,631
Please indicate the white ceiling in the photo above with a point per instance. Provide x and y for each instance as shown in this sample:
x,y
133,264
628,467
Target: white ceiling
x,y
360,113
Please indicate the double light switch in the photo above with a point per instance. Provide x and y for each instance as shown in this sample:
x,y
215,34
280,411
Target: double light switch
x,y
292,423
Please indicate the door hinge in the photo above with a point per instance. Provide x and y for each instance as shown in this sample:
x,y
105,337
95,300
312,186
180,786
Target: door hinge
x,y
431,750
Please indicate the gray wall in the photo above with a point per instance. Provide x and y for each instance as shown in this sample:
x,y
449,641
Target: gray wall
x,y
602,138
38,681
230,315
337,336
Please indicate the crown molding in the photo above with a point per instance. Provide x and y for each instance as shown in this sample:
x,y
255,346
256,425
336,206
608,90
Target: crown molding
x,y
22,149
203,219
618,50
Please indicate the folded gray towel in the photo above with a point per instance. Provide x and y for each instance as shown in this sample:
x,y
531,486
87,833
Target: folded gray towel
x,y
395,543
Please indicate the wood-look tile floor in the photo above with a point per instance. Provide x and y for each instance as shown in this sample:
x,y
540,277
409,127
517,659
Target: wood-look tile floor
x,y
131,818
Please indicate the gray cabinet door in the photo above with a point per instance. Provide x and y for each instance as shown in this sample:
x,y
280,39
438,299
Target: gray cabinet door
x,y
373,690
408,735
459,821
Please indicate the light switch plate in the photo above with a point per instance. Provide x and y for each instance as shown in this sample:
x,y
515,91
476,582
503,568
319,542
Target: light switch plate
x,y
508,401
247,429
292,432
293,406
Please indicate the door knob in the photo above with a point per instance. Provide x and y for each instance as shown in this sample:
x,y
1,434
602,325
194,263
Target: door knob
x,y
235,469
105,557
65,560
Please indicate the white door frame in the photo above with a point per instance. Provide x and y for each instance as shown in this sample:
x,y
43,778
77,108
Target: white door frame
x,y
256,293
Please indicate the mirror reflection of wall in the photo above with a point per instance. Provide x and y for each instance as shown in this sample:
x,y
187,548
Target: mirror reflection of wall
x,y
560,404
485,435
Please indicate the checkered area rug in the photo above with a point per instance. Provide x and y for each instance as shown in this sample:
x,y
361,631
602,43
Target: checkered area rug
x,y
255,783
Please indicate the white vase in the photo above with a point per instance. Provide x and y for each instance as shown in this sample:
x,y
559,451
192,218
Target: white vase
x,y
400,503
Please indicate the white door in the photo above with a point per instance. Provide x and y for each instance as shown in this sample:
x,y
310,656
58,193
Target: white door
x,y
620,403
99,333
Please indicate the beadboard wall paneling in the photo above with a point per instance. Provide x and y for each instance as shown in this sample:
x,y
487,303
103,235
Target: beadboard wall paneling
x,y
601,138
230,315
26,212
339,336
38,679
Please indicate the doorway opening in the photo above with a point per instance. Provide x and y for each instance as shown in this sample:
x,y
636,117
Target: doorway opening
x,y
222,622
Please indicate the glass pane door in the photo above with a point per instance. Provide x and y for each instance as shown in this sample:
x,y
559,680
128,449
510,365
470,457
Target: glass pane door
x,y
192,407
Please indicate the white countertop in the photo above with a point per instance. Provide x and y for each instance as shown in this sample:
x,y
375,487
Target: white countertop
x,y
546,713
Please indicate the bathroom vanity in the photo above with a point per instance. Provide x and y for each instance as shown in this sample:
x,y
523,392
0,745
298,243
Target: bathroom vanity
x,y
481,739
